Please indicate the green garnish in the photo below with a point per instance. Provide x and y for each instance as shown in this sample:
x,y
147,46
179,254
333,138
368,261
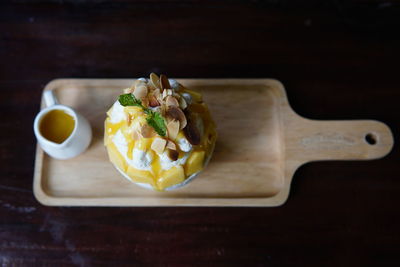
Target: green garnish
x,y
156,121
129,100
154,118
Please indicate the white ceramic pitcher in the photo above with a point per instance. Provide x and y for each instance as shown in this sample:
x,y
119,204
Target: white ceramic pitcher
x,y
76,143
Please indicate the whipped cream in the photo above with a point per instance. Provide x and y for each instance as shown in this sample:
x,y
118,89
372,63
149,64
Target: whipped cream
x,y
120,143
167,163
141,160
187,97
174,84
184,145
117,113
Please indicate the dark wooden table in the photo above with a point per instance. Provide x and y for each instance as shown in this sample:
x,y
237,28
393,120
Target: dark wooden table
x,y
338,60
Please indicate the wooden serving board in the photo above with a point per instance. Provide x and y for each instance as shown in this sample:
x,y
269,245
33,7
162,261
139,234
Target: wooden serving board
x,y
261,142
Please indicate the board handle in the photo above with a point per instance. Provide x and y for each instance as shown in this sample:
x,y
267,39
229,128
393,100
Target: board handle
x,y
341,140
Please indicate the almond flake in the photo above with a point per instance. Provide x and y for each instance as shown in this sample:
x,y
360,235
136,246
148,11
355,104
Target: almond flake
x,y
171,145
173,129
155,80
164,83
177,114
136,135
157,92
158,145
128,90
147,131
140,92
164,111
153,102
138,82
171,101
192,133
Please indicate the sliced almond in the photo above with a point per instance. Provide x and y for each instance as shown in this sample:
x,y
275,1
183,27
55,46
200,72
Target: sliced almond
x,y
164,111
173,154
128,119
147,131
136,135
169,91
155,80
156,93
173,129
164,93
138,82
177,114
140,92
128,90
158,145
171,145
151,87
153,102
192,133
164,83
171,101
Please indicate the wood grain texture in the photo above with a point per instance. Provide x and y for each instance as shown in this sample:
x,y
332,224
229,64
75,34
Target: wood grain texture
x,y
337,59
253,164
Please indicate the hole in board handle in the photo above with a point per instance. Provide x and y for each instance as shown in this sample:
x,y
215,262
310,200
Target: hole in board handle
x,y
370,138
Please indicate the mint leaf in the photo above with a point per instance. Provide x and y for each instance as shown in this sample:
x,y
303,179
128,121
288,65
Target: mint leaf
x,y
129,100
156,121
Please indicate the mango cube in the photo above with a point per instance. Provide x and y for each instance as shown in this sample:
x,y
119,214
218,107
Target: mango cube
x,y
144,144
170,177
140,176
195,162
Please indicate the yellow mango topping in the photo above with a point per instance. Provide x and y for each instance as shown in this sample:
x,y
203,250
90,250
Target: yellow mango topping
x,y
116,157
140,176
194,162
170,177
144,144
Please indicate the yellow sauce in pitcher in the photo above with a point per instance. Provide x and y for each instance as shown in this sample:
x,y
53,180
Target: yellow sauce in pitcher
x,y
56,126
